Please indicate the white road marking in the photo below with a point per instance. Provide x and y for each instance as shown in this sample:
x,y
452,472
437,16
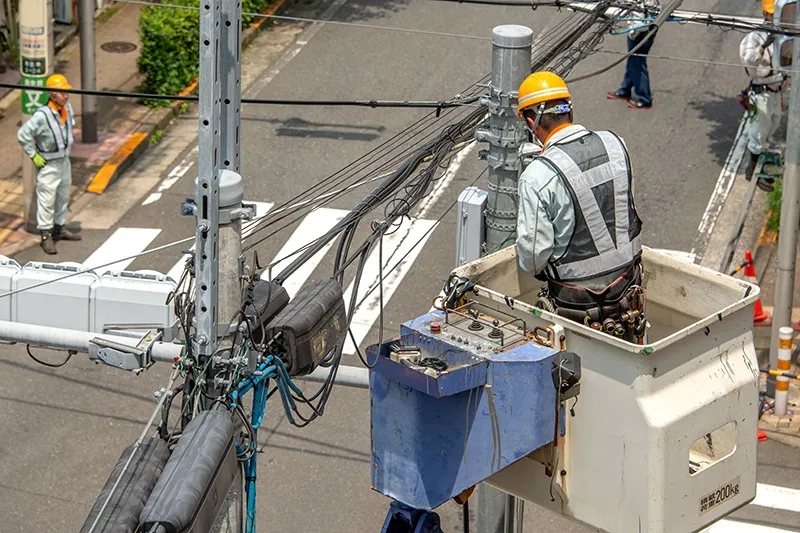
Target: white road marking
x,y
123,243
734,526
442,183
721,190
777,497
409,240
262,208
316,224
174,175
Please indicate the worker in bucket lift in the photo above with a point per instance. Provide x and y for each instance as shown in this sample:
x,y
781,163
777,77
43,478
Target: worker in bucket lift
x,y
47,139
577,226
764,92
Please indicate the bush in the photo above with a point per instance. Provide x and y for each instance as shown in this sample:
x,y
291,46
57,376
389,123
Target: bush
x,y
774,206
170,49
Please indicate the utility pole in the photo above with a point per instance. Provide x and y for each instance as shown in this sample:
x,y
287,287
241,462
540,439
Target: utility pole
x,y
790,219
511,64
35,62
88,73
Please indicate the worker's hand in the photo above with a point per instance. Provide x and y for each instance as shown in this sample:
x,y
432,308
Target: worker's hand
x,y
38,161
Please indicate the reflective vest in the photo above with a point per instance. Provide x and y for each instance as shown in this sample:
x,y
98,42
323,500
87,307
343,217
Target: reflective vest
x,y
596,171
63,146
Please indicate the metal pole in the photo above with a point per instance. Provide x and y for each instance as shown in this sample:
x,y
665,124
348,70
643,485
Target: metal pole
x,y
206,191
790,218
88,73
511,64
78,341
511,60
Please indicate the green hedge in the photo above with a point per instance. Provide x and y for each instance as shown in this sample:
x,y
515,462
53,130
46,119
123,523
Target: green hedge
x,y
774,205
170,38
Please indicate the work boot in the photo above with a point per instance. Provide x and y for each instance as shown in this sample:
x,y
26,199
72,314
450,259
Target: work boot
x,y
751,165
48,244
60,233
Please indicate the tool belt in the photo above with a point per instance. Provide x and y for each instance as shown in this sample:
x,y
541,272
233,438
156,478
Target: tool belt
x,y
760,89
619,310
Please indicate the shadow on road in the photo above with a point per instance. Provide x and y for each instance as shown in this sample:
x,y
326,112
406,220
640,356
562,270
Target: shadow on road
x,y
372,9
723,115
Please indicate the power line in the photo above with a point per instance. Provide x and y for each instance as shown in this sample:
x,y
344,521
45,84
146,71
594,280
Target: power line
x,y
425,104
320,21
688,60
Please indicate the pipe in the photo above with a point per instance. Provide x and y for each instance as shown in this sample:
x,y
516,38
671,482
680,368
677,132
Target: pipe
x,y
348,376
78,341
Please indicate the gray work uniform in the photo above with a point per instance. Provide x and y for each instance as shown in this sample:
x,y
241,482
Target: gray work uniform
x,y
767,86
44,134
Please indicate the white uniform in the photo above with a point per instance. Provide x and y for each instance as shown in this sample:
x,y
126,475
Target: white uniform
x,y
44,134
768,88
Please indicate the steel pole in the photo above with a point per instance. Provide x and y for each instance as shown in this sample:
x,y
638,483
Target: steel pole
x,y
511,64
88,73
790,218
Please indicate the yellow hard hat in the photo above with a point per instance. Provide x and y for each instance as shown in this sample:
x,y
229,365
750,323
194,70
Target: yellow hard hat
x,y
541,87
58,81
768,6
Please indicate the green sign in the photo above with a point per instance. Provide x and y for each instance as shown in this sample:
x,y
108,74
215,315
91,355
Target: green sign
x,y
31,98
34,66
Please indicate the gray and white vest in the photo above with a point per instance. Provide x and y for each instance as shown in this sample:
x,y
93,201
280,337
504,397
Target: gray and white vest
x,y
596,171
63,146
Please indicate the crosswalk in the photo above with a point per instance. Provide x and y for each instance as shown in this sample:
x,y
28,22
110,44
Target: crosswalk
x,y
768,497
399,250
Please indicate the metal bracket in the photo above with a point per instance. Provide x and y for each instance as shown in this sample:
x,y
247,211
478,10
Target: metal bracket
x,y
123,356
242,212
188,207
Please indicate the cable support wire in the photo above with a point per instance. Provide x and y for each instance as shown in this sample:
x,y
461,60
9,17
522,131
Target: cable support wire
x,y
374,104
320,21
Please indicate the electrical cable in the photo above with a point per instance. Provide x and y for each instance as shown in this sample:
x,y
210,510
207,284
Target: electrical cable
x,y
375,104
319,21
70,353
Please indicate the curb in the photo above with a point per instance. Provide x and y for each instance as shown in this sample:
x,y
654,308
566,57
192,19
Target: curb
x,y
139,141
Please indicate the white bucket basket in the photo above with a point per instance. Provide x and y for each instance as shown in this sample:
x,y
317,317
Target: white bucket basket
x,y
663,437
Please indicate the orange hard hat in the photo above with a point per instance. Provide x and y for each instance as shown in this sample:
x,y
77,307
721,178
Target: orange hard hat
x,y
768,6
58,81
541,87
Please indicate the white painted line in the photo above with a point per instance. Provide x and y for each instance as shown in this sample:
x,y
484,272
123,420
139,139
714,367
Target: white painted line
x,y
124,242
721,190
316,224
409,240
733,526
442,183
262,208
174,175
776,497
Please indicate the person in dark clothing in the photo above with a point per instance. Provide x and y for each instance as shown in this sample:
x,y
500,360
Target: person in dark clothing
x,y
637,77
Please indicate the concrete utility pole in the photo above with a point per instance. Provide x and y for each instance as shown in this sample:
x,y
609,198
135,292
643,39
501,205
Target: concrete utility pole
x,y
790,218
511,64
88,73
35,64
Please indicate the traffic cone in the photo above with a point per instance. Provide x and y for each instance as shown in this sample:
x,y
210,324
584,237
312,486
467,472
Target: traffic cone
x,y
759,315
762,435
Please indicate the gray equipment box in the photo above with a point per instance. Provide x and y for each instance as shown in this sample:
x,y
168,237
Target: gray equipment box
x,y
63,303
129,299
8,269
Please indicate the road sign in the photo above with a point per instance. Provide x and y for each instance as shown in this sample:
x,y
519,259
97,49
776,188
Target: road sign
x,y
33,99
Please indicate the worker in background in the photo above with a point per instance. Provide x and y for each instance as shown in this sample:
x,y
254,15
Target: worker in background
x,y
765,92
637,77
577,226
47,139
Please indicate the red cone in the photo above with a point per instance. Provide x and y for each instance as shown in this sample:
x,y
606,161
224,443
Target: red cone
x,y
759,315
762,436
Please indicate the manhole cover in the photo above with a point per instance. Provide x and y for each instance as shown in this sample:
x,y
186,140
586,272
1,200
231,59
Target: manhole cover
x,y
118,47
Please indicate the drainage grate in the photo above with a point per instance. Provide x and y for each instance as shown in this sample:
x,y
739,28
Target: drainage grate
x,y
118,47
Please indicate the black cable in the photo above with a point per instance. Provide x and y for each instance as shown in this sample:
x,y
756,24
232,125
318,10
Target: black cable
x,y
70,353
375,104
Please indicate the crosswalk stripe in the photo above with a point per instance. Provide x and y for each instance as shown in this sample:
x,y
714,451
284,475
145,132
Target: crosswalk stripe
x,y
734,526
409,240
313,226
124,242
262,208
777,497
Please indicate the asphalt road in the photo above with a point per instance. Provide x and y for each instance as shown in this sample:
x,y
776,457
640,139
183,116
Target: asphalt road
x,y
64,429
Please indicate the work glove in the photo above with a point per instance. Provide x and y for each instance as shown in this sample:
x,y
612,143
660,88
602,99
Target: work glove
x,y
38,161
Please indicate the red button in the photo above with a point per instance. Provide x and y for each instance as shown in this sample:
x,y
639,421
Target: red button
x,y
436,327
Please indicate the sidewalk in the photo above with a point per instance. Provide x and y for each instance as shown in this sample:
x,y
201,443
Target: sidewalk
x,y
119,120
